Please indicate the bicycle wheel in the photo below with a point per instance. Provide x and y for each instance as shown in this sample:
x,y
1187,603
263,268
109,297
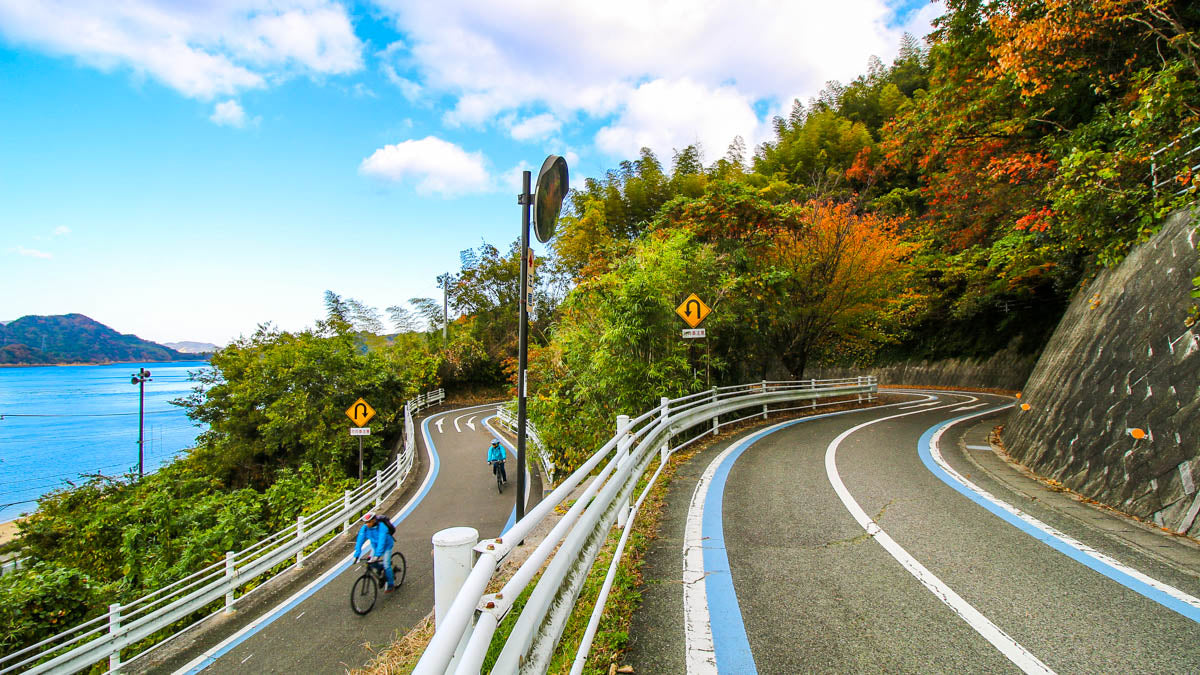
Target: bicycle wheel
x,y
399,568
499,483
363,594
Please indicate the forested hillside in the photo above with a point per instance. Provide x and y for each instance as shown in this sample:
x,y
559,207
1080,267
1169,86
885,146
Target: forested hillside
x,y
74,338
945,205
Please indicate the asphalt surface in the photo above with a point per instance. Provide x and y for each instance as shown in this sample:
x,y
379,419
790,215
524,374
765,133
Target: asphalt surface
x,y
321,634
816,593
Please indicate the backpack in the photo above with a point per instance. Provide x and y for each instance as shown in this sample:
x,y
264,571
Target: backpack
x,y
391,528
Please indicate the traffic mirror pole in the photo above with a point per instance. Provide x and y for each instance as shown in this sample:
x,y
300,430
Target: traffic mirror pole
x,y
526,200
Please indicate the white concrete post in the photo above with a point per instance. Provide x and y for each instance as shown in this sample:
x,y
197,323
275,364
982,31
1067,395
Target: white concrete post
x,y
230,572
299,537
812,384
378,483
764,391
453,556
860,384
623,443
114,626
716,418
346,508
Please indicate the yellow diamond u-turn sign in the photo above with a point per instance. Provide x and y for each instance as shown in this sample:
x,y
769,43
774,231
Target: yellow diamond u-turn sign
x,y
360,413
693,310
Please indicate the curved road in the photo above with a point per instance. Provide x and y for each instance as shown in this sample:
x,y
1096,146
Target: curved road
x,y
314,631
893,539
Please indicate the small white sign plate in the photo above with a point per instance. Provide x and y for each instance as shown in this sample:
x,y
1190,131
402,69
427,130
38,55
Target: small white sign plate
x,y
693,333
360,431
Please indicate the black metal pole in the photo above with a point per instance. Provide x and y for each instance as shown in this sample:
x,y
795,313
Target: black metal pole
x,y
360,466
141,409
526,200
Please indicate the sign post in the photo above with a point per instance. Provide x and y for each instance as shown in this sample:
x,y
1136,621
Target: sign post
x,y
552,185
360,413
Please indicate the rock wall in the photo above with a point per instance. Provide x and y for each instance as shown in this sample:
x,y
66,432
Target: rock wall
x,y
1112,409
1005,369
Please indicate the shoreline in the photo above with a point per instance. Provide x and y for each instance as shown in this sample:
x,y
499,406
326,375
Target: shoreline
x,y
8,531
101,363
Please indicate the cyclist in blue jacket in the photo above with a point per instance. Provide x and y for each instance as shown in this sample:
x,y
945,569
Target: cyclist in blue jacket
x,y
377,531
496,456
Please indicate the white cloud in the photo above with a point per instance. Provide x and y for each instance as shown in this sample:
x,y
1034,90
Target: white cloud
x,y
62,231
665,115
202,50
535,128
436,166
228,114
32,253
606,59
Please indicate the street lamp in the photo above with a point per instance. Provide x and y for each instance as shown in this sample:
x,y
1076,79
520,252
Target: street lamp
x,y
140,378
552,185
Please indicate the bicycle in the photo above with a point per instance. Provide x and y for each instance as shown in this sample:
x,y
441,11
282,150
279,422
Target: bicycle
x,y
366,587
496,464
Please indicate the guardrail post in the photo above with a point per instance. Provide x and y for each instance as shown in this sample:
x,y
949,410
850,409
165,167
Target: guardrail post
x,y
812,384
764,391
664,412
453,556
114,627
230,572
346,508
860,384
378,484
300,537
623,443
716,416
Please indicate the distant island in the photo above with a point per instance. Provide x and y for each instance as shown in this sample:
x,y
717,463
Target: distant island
x,y
75,338
188,347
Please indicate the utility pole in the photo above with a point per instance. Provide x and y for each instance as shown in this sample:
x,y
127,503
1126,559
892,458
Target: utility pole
x,y
140,378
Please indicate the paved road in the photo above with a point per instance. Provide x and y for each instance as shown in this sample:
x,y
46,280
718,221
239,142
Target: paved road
x,y
926,578
319,633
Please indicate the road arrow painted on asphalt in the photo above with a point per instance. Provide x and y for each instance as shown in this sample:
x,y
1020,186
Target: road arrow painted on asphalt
x,y
471,423
439,426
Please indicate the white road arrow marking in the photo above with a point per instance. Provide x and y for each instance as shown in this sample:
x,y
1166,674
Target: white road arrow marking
x,y
456,425
471,423
439,426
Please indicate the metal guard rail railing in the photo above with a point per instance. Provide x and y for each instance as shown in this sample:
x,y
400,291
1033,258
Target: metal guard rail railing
x,y
464,635
1183,158
508,420
124,625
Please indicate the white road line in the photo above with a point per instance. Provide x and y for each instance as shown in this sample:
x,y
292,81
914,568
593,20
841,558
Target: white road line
x,y
439,425
920,405
247,658
700,653
971,407
1020,657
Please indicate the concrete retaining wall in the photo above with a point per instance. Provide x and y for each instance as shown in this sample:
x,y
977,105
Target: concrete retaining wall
x,y
1005,369
1121,364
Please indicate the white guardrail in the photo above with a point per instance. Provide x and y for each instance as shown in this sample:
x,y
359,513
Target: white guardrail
x,y
508,420
465,631
124,625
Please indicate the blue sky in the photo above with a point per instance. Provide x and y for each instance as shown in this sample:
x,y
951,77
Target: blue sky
x,y
185,172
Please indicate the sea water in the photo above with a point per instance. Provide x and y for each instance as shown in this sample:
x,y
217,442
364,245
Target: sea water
x,y
59,424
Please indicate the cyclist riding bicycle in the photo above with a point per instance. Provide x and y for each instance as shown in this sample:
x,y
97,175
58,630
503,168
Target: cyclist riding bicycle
x,y
376,533
496,456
